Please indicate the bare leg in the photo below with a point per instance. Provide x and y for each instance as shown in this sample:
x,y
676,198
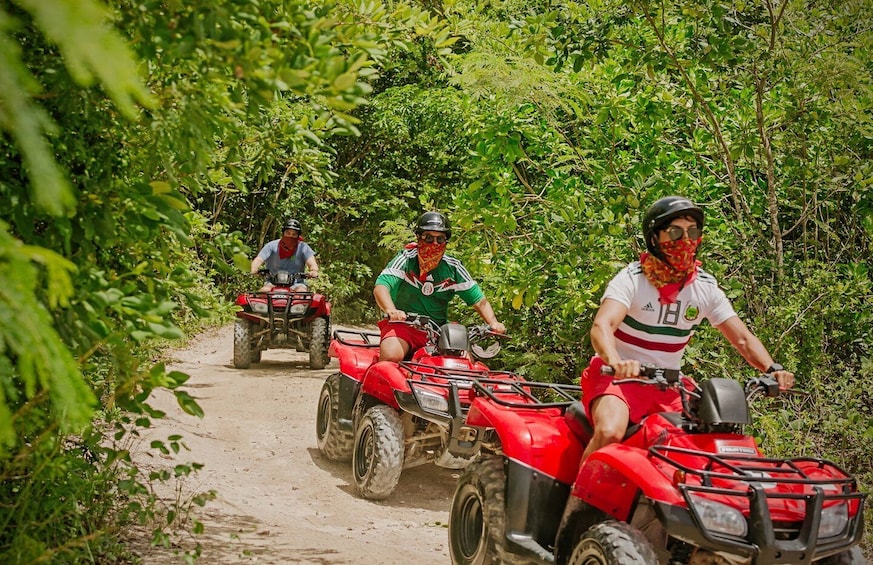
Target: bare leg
x,y
393,349
609,415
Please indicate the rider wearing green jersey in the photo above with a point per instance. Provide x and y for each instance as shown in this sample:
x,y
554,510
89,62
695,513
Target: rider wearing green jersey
x,y
422,279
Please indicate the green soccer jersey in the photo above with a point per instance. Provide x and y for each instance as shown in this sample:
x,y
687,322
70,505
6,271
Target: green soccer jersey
x,y
431,296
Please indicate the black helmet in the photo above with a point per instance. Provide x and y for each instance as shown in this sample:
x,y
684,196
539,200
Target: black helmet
x,y
659,215
293,224
433,221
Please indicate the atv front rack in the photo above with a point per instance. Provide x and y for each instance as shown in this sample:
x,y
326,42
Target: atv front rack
x,y
756,479
739,467
292,300
423,379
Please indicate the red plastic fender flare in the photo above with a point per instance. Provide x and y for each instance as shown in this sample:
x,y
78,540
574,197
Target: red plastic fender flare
x,y
353,360
611,476
382,379
538,438
321,305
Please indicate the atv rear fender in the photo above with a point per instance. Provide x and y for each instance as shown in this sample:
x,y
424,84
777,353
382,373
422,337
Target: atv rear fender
x,y
354,356
538,438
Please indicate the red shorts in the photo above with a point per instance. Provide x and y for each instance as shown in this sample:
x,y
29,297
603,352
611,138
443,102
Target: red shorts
x,y
641,399
414,337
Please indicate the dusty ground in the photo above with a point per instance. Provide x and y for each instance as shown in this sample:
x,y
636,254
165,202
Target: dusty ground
x,y
278,500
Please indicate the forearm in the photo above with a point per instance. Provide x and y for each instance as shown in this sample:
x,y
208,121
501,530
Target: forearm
x,y
382,294
603,342
754,352
313,266
486,312
257,262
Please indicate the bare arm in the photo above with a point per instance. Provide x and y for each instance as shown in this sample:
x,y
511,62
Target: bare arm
x,y
313,267
486,312
386,303
752,350
606,321
257,262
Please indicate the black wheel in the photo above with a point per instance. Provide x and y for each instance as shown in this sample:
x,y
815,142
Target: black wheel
x,y
377,457
256,355
242,343
318,343
476,520
852,557
613,543
334,442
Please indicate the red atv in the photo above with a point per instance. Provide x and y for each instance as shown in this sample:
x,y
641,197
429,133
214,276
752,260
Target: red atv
x,y
281,318
685,488
387,416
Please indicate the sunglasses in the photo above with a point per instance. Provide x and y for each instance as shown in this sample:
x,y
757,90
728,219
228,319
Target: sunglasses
x,y
675,233
427,238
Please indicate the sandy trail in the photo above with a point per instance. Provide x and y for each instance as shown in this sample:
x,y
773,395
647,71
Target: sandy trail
x,y
278,500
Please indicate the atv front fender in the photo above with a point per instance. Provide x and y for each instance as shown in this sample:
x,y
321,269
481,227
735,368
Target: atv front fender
x,y
320,305
612,477
382,379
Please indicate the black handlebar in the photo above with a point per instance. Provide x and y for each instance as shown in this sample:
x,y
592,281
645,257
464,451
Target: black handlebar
x,y
764,384
265,273
649,373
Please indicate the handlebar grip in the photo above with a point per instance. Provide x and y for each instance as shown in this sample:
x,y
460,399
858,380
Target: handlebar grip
x,y
607,370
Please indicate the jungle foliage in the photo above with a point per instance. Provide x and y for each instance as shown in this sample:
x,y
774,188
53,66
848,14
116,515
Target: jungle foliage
x,y
150,147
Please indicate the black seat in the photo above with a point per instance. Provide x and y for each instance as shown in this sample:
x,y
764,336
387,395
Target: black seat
x,y
578,422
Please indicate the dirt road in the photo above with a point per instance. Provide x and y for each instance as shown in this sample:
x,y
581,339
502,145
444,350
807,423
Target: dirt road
x,y
278,500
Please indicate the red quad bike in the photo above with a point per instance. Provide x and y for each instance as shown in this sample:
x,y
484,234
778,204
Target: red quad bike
x,y
281,319
387,416
686,487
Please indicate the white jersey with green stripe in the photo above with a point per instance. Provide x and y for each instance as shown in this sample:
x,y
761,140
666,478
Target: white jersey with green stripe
x,y
657,333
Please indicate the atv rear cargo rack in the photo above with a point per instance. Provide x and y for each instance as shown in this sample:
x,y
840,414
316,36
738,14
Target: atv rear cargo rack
x,y
364,338
502,387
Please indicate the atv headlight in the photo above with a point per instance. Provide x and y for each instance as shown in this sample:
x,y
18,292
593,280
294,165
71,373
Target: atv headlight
x,y
298,309
431,401
833,520
719,517
259,307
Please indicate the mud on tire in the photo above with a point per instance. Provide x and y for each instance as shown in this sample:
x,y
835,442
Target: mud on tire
x,y
335,442
318,340
610,543
377,457
242,343
477,520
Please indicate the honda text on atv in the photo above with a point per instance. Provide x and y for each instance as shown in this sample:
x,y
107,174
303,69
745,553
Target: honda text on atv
x,y
281,318
686,487
387,416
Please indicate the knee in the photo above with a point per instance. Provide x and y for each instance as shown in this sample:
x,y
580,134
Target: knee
x,y
390,356
392,352
609,432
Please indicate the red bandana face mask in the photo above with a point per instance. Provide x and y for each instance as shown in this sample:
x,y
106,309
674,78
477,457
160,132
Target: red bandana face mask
x,y
288,246
429,256
679,269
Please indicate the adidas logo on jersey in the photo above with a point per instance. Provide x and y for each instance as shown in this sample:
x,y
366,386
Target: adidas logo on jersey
x,y
648,308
